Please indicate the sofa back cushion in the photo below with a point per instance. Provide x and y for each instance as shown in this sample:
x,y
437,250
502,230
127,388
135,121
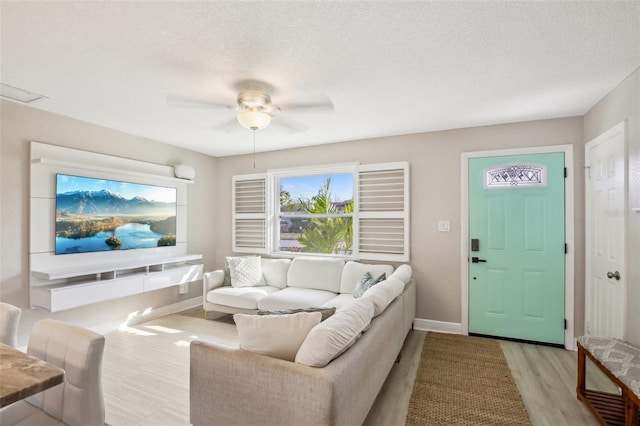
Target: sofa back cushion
x,y
403,273
275,271
277,336
334,336
353,271
383,293
316,273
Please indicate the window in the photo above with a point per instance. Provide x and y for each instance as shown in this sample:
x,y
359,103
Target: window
x,y
316,214
516,176
354,211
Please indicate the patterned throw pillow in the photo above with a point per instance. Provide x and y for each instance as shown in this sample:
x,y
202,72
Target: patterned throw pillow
x,y
366,282
227,273
326,312
245,271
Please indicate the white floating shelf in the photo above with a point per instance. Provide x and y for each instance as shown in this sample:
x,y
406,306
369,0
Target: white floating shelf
x,y
68,288
81,270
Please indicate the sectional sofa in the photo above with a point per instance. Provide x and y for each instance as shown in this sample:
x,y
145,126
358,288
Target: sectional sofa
x,y
234,386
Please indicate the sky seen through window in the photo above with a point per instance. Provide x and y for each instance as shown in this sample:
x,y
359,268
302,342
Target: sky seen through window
x,y
341,188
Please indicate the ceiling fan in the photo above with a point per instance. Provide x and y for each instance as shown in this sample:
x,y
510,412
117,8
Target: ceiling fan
x,y
255,110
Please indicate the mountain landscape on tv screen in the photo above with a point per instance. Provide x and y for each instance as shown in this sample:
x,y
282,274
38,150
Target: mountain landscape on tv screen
x,y
107,203
102,220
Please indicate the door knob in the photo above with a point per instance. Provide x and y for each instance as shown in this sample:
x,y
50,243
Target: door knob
x,y
615,275
476,260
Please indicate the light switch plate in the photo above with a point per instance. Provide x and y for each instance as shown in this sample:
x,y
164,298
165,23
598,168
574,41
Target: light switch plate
x,y
444,226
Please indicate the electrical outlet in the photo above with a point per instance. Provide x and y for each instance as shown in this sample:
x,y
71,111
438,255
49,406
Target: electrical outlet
x,y
444,226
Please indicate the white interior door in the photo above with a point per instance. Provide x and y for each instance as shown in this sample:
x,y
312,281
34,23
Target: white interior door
x,y
606,234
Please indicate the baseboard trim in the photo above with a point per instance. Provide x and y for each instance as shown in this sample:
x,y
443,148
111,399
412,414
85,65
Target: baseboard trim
x,y
439,326
147,315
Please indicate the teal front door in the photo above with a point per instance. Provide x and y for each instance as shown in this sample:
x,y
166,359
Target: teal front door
x,y
517,247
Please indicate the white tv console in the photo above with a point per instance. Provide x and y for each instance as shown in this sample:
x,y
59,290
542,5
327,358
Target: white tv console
x,y
60,282
65,288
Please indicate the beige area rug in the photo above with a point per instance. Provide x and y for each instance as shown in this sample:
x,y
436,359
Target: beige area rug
x,y
464,380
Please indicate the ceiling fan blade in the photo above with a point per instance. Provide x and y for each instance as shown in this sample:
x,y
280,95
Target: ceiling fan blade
x,y
185,102
318,102
294,126
229,126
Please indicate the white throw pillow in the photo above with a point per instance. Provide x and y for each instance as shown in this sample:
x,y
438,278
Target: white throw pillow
x,y
383,293
275,271
245,271
336,334
403,273
278,336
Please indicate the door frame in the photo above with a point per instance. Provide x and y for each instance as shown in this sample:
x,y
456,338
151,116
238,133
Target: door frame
x,y
569,259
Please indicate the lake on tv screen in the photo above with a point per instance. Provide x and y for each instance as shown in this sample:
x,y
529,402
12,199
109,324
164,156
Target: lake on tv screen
x,y
102,215
131,235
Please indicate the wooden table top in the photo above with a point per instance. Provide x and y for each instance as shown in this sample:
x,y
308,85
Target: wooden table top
x,y
22,375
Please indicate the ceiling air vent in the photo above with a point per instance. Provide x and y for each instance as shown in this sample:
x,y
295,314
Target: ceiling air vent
x,y
19,95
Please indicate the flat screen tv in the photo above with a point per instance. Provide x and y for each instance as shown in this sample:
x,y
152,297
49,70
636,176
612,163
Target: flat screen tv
x,y
94,215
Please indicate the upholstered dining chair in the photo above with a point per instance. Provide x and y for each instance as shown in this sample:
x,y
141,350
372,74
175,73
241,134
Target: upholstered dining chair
x,y
78,401
9,320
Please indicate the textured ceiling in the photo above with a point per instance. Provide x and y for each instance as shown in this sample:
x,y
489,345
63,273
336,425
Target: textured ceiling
x,y
390,68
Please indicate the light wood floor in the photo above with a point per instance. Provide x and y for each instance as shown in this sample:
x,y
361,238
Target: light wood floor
x,y
146,375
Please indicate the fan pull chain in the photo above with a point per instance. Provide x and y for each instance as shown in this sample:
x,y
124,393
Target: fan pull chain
x,y
254,148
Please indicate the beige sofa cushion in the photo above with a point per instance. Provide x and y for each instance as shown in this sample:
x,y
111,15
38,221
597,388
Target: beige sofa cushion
x,y
339,301
353,271
403,273
239,297
316,273
383,293
278,336
336,334
275,271
291,298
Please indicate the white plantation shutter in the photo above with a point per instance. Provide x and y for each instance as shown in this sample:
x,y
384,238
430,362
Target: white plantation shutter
x,y
250,213
383,212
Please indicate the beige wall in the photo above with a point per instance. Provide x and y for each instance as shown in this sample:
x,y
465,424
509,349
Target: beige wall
x,y
435,160
623,103
20,125
435,195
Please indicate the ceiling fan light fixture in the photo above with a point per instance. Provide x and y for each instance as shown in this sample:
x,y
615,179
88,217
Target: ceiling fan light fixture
x,y
254,120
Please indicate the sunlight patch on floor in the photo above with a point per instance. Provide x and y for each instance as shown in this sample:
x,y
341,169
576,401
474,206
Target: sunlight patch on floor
x,y
162,329
135,331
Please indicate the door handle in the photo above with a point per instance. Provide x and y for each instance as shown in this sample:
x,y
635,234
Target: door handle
x,y
477,260
615,275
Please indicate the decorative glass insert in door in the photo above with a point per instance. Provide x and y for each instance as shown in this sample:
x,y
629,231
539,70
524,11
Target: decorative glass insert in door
x,y
515,176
